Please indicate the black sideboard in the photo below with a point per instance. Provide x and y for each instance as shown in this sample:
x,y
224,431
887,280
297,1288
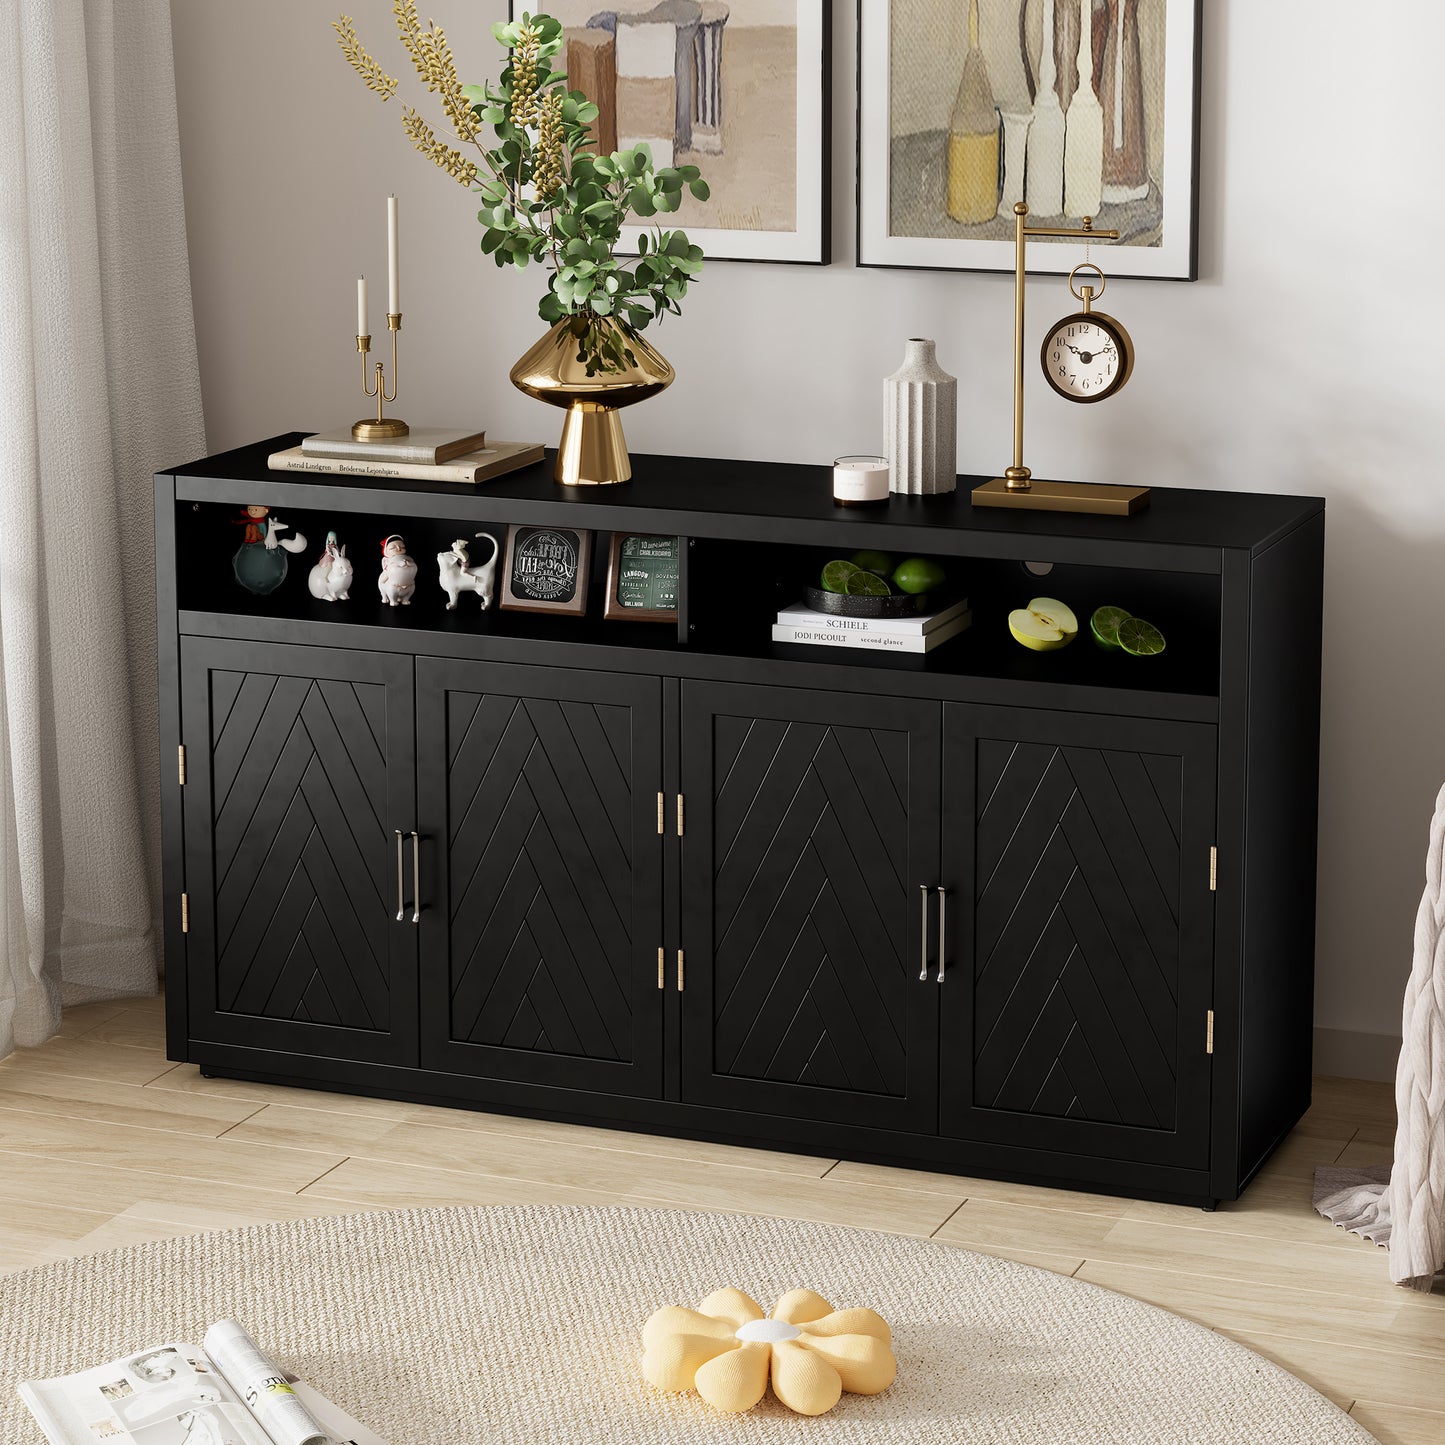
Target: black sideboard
x,y
1039,916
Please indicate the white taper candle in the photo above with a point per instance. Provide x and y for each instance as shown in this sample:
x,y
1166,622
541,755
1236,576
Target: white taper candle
x,y
392,267
361,329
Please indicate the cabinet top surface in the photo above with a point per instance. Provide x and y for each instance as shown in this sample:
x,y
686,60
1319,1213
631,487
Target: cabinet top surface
x,y
699,494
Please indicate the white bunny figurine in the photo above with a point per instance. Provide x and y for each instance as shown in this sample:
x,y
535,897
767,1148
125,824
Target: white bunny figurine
x,y
274,527
458,575
398,573
330,579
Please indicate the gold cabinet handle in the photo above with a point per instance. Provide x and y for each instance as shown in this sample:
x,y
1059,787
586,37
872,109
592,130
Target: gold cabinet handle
x,y
400,880
416,877
662,968
942,929
923,933
681,971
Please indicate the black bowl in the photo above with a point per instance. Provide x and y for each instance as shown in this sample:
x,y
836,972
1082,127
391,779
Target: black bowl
x,y
898,605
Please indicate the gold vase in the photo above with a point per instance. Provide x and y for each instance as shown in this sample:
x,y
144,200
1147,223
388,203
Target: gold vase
x,y
593,366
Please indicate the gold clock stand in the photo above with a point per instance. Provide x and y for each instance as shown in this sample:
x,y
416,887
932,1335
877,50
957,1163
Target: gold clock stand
x,y
1017,487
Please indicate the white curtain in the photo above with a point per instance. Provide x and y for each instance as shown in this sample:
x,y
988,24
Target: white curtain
x,y
98,356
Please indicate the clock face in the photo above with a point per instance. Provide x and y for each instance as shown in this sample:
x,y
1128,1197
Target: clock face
x,y
1087,357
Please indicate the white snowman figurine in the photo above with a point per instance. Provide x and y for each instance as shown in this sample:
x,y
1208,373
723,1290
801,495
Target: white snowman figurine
x,y
330,579
398,573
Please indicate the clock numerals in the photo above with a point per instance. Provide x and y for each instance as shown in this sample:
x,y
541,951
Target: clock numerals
x,y
1087,359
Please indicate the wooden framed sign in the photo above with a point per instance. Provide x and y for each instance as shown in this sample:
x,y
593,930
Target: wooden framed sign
x,y
546,570
642,578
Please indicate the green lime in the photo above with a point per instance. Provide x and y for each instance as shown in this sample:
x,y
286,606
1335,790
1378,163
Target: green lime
x,y
1105,624
918,574
867,584
873,561
836,575
1140,639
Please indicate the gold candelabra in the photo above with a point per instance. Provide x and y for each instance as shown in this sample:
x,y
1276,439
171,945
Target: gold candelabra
x,y
382,427
1018,487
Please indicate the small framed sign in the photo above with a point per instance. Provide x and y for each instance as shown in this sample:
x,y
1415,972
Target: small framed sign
x,y
547,570
642,578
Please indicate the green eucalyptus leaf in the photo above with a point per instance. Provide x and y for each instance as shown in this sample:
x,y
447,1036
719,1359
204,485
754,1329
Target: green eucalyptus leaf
x,y
700,189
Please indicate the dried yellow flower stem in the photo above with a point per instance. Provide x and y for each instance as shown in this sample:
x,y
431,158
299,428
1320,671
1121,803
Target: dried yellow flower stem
x,y
363,64
548,173
525,55
432,57
451,161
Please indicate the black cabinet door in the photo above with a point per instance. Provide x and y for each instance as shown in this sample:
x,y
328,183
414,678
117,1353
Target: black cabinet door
x,y
812,831
541,899
1076,852
300,772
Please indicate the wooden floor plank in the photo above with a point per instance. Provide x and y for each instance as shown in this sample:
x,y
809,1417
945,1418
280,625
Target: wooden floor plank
x,y
1399,1425
41,1092
1340,1370
401,1186
218,1160
133,1028
88,1058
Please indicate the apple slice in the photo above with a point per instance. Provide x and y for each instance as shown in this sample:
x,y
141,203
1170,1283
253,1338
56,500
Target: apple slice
x,y
1045,625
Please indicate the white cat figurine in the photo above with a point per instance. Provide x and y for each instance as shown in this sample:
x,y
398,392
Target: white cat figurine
x,y
458,575
330,578
398,573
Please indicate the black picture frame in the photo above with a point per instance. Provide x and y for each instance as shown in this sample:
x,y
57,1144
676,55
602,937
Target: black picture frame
x,y
809,243
884,168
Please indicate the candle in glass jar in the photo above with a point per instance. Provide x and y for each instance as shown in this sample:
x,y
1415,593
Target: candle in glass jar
x,y
393,270
860,481
361,307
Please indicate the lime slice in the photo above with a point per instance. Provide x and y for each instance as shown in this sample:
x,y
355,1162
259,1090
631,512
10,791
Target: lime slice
x,y
867,584
1140,639
1105,624
871,560
836,575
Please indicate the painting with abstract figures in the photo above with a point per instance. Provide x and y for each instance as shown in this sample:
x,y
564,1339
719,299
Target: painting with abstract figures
x,y
1076,107
734,87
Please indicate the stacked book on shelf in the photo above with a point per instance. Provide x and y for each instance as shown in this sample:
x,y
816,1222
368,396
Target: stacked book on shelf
x,y
435,454
921,632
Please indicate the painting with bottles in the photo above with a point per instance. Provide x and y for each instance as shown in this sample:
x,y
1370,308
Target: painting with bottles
x,y
1076,107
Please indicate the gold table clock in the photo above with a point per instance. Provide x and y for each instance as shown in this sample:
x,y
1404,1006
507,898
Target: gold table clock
x,y
1087,357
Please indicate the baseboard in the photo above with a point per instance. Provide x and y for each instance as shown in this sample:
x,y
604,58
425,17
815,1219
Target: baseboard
x,y
1345,1054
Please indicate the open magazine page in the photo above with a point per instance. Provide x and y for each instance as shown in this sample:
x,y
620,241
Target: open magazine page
x,y
263,1386
169,1395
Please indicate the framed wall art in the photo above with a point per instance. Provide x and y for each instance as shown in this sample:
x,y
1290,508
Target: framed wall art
x,y
739,88
642,578
546,570
1077,107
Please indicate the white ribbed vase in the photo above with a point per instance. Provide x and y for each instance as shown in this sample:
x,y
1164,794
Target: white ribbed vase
x,y
920,417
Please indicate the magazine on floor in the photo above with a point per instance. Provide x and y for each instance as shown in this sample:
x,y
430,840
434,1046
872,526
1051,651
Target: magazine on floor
x,y
228,1393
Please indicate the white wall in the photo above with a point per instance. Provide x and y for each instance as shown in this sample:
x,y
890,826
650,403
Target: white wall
x,y
1305,360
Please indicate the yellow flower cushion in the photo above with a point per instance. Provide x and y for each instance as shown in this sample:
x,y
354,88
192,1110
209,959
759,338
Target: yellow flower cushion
x,y
727,1350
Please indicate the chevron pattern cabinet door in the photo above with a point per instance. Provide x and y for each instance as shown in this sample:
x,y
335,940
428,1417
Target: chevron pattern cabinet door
x,y
539,960
300,766
813,821
1080,849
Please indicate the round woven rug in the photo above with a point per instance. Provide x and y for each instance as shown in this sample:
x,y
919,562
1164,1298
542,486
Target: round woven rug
x,y
453,1326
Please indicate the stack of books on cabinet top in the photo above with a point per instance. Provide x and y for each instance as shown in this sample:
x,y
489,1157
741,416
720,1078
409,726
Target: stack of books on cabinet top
x,y
920,632
425,454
